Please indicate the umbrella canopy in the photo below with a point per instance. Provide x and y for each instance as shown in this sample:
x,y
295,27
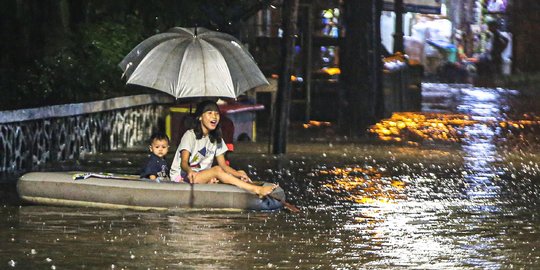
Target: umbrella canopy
x,y
193,62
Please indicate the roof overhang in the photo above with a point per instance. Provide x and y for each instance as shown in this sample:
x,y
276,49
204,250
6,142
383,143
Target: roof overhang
x,y
417,6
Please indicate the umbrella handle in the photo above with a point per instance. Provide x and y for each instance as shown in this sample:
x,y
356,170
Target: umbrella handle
x,y
191,196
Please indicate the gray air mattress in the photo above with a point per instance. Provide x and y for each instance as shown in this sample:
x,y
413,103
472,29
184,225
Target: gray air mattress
x,y
59,188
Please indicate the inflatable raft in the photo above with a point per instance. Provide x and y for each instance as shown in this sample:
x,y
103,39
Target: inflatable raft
x,y
128,191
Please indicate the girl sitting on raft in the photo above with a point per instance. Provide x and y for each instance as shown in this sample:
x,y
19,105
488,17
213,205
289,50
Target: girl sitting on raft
x,y
200,146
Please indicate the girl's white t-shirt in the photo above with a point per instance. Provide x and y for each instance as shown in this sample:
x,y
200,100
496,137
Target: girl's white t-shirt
x,y
202,153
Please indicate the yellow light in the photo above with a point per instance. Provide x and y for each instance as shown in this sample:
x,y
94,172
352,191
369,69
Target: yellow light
x,y
407,126
332,71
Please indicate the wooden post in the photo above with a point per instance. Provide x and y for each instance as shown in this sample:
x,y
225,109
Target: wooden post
x,y
375,58
307,49
283,101
398,33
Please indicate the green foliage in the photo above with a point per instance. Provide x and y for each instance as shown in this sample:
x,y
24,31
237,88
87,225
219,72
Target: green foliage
x,y
106,44
84,69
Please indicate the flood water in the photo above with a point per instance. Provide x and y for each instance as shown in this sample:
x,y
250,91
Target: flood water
x,y
456,186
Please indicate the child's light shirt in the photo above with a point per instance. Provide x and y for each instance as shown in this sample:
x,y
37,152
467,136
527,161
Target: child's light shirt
x,y
201,157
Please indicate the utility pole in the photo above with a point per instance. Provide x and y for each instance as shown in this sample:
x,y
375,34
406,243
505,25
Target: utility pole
x,y
283,99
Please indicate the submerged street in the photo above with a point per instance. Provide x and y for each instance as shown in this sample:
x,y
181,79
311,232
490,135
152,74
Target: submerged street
x,y
456,186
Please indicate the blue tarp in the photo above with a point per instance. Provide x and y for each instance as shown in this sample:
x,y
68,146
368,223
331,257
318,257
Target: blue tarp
x,y
448,49
441,44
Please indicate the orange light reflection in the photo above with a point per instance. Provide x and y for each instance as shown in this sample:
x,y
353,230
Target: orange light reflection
x,y
413,127
313,123
365,185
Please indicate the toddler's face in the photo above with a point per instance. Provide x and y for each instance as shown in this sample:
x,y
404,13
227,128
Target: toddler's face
x,y
159,148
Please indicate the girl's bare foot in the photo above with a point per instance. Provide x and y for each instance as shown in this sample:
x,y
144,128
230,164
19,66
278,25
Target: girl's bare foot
x,y
265,190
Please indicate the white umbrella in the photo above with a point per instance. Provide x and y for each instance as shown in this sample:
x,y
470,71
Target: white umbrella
x,y
193,62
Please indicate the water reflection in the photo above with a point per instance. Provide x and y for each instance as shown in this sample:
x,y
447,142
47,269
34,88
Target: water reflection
x,y
365,185
483,105
481,172
475,119
126,239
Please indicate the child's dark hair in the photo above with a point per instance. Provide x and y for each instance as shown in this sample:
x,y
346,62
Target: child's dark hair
x,y
205,106
158,136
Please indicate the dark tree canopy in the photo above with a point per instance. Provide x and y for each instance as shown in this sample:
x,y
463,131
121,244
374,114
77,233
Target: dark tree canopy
x,y
66,51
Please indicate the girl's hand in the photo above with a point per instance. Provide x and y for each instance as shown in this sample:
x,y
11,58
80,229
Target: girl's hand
x,y
191,176
244,177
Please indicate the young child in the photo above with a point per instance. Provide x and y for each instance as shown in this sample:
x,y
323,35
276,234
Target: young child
x,y
200,146
156,167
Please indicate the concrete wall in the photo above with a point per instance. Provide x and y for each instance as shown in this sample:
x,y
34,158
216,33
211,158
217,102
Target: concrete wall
x,y
31,137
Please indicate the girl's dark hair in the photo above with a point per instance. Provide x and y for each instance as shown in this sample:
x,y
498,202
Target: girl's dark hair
x,y
205,106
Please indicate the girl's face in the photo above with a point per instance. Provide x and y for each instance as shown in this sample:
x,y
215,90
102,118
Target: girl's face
x,y
209,121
